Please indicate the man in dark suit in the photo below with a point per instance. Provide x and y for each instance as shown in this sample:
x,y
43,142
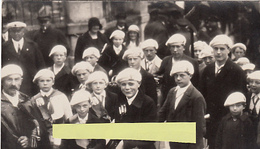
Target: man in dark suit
x,y
47,37
176,45
23,52
19,127
133,105
218,80
184,103
134,58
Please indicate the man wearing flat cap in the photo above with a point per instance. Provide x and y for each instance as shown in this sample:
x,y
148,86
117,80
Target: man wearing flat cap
x,y
20,129
133,105
176,44
47,37
23,52
180,99
218,80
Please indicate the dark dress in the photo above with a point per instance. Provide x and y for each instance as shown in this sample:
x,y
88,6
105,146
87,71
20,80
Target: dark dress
x,y
85,41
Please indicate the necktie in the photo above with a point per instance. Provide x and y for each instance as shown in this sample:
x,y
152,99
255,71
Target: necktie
x,y
219,70
255,101
19,49
148,64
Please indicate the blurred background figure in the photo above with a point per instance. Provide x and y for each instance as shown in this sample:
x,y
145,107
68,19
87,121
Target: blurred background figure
x,y
132,37
238,50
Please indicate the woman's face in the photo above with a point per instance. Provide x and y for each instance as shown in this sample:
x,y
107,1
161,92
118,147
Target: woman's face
x,y
133,35
95,29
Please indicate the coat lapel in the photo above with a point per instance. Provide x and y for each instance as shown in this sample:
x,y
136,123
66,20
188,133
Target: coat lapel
x,y
185,98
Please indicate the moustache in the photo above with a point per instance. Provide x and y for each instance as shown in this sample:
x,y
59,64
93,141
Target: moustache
x,y
13,87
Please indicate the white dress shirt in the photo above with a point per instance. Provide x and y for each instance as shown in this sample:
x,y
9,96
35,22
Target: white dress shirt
x,y
179,94
56,70
117,49
13,99
130,100
101,97
253,100
18,43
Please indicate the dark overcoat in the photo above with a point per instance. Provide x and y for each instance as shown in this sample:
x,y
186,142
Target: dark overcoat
x,y
30,60
191,108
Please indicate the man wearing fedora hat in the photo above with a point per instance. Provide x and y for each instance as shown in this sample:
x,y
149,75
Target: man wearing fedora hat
x,y
47,37
92,38
23,52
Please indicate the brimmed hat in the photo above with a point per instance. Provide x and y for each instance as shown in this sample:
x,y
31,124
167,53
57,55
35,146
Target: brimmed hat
x,y
254,75
11,69
43,73
176,39
97,75
234,98
182,66
91,51
133,28
133,52
128,74
58,48
117,33
80,96
82,66
94,22
149,43
221,40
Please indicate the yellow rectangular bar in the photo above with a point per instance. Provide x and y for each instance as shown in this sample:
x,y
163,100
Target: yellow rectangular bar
x,y
173,132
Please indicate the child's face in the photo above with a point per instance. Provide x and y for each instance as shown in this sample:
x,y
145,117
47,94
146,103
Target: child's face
x,y
59,58
134,61
82,75
182,79
133,35
117,41
91,59
254,85
236,109
45,83
98,86
238,52
82,108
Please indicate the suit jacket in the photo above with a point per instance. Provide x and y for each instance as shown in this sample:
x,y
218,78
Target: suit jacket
x,y
85,41
216,89
20,121
155,65
142,109
94,143
191,108
111,61
30,60
63,80
168,82
148,85
47,40
110,103
99,68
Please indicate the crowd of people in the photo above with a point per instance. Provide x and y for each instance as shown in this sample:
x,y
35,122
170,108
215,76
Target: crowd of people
x,y
117,78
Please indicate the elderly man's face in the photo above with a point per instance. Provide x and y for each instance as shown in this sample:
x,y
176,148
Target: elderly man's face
x,y
176,50
150,53
11,84
182,79
16,33
134,61
129,87
220,52
82,75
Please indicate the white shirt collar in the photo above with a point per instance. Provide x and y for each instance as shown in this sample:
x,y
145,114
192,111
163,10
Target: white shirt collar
x,y
130,100
217,67
117,49
16,43
103,94
13,99
182,89
57,70
46,93
83,120
258,95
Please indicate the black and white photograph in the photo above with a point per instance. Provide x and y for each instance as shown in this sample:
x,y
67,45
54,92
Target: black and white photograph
x,y
101,62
